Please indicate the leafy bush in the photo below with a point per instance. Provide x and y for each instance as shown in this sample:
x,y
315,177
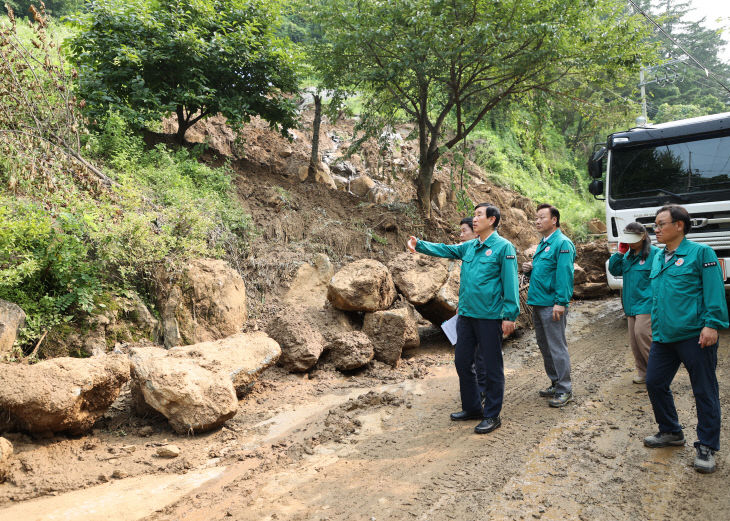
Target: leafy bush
x,y
45,264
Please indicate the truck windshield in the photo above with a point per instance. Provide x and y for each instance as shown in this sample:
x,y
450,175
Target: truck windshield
x,y
685,172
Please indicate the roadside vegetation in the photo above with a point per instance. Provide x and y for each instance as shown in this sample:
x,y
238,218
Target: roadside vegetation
x,y
88,210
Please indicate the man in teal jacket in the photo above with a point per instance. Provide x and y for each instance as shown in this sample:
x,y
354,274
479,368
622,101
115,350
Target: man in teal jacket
x,y
488,307
688,308
551,288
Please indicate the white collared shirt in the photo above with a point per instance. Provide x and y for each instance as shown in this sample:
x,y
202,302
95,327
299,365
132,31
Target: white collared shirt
x,y
545,239
481,243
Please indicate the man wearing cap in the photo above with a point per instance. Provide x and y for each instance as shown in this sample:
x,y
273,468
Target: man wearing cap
x,y
489,303
633,262
551,288
688,308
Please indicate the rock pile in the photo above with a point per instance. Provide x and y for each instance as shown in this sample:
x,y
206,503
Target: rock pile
x,y
384,324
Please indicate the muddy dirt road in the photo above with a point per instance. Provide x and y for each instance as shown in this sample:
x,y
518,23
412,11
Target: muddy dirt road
x,y
381,447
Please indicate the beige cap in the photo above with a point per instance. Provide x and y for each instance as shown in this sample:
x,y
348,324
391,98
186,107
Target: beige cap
x,y
629,237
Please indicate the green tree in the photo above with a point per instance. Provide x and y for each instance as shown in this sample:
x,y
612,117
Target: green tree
x,y
685,83
195,58
53,7
455,60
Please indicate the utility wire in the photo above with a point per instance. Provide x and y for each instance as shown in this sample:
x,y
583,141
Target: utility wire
x,y
675,42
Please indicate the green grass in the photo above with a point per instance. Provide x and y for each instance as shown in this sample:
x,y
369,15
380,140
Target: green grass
x,y
539,167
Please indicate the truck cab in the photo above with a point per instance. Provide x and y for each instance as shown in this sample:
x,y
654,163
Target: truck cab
x,y
685,162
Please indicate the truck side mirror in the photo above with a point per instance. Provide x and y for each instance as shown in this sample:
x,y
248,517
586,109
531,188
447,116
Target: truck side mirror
x,y
595,163
596,187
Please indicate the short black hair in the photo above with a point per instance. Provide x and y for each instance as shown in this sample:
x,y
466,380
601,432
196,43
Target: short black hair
x,y
469,221
554,212
678,214
491,211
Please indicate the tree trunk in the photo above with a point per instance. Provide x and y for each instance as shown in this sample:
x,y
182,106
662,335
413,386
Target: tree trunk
x,y
423,190
182,125
314,158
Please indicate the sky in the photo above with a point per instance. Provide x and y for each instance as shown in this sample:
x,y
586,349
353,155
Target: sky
x,y
717,14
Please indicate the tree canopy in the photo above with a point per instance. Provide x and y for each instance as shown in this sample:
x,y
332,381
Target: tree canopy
x,y
192,57
447,63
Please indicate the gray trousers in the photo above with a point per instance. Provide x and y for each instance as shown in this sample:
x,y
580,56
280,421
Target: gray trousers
x,y
550,336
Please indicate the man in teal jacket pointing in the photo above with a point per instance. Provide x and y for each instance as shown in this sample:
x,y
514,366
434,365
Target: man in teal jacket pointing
x,y
488,307
551,288
688,308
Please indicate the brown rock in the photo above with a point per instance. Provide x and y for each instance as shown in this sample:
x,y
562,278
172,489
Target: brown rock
x,y
589,290
301,344
596,226
592,257
193,399
361,185
363,285
439,194
12,318
168,451
62,394
309,285
579,275
242,357
323,176
445,302
206,302
6,454
391,331
349,351
418,277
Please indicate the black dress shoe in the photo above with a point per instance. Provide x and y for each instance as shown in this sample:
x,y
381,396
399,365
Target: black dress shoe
x,y
463,415
488,425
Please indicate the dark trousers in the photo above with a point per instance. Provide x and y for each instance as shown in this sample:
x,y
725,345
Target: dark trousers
x,y
480,366
486,336
664,360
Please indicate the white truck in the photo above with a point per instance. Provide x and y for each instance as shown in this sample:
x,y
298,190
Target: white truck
x,y
686,162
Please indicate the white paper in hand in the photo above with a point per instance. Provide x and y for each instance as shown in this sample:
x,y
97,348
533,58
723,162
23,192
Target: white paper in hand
x,y
449,328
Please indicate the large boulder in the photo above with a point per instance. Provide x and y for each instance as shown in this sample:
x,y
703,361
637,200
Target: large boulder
x,y
361,185
301,344
12,318
348,351
6,453
391,332
62,394
205,302
445,302
193,399
309,285
242,357
418,277
363,285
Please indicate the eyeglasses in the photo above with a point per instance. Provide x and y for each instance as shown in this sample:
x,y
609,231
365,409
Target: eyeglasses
x,y
659,226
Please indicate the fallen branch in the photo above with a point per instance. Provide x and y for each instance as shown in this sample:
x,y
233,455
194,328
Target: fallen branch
x,y
35,349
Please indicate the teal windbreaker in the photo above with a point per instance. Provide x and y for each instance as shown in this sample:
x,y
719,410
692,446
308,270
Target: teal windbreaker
x,y
489,286
551,280
636,293
688,293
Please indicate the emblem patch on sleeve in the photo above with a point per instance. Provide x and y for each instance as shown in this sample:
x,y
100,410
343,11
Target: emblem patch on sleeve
x,y
709,264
